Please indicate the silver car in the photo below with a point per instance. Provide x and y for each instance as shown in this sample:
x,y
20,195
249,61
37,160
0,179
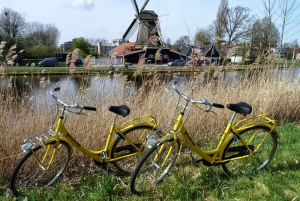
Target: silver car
x,y
177,62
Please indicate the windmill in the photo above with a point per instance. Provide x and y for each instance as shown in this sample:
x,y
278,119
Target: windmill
x,y
147,23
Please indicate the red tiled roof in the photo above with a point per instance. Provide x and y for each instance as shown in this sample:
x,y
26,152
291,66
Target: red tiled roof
x,y
120,50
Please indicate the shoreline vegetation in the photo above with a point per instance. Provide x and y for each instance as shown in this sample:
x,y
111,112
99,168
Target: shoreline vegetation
x,y
275,93
104,69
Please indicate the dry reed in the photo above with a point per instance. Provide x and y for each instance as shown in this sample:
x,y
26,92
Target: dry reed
x,y
271,91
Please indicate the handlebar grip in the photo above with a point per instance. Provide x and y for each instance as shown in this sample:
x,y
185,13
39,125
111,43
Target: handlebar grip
x,y
218,105
89,108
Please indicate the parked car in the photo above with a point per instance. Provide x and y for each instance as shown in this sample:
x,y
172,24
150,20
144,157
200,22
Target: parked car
x,y
177,62
49,62
77,62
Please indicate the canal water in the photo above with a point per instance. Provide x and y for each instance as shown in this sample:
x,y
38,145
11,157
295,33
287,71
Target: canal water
x,y
35,88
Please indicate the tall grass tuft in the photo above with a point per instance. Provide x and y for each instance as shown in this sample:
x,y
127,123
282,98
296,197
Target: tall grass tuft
x,y
271,91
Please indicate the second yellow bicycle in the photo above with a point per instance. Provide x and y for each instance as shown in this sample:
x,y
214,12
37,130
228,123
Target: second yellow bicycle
x,y
244,148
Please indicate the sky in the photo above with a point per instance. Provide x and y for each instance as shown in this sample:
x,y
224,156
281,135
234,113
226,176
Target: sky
x,y
109,19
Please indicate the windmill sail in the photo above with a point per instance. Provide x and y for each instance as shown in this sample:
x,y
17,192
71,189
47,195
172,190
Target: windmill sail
x,y
130,30
135,6
145,4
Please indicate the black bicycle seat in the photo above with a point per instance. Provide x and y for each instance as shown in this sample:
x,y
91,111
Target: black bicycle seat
x,y
241,108
122,110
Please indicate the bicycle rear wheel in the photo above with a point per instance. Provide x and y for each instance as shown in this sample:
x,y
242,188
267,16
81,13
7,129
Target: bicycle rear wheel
x,y
154,166
40,168
122,147
260,139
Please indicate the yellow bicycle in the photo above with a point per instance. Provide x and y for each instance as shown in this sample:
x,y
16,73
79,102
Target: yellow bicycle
x,y
244,148
48,152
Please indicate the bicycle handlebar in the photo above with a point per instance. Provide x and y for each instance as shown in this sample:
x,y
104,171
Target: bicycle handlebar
x,y
204,101
76,105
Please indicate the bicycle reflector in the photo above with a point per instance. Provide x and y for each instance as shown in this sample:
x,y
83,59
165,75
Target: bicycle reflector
x,y
150,143
26,147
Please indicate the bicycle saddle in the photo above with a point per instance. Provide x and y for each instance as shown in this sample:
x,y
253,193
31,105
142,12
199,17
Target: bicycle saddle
x,y
241,108
122,110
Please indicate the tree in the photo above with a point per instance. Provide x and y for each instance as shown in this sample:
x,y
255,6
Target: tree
x,y
168,42
82,44
41,40
293,49
286,16
43,34
96,40
269,10
220,23
237,23
203,36
182,40
261,39
11,24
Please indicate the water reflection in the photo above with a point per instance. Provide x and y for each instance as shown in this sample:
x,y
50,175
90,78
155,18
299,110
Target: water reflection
x,y
35,88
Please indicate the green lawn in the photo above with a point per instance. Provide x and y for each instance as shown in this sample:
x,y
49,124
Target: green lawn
x,y
186,181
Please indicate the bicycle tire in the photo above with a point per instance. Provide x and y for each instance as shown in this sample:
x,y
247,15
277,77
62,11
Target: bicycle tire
x,y
259,160
122,147
149,172
29,176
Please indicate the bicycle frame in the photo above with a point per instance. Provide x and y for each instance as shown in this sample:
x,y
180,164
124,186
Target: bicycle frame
x,y
214,156
103,155
58,132
62,134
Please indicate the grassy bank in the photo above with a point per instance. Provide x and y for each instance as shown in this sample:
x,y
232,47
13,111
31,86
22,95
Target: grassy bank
x,y
186,181
271,91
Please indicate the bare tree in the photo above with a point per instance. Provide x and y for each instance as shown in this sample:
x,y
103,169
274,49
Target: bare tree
x,y
286,15
43,34
269,10
182,40
11,23
96,40
168,42
238,22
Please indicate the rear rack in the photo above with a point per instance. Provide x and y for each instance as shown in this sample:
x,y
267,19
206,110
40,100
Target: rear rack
x,y
146,118
259,119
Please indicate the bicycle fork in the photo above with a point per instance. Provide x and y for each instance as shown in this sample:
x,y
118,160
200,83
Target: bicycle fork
x,y
47,166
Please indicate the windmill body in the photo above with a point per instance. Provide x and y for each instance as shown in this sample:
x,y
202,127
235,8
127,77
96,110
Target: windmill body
x,y
147,23
149,41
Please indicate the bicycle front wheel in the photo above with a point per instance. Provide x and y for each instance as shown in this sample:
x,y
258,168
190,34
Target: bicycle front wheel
x,y
259,139
154,166
122,147
40,167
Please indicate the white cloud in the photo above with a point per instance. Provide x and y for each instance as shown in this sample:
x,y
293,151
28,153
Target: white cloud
x,y
85,4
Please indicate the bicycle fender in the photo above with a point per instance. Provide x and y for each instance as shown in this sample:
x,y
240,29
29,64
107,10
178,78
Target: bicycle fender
x,y
259,124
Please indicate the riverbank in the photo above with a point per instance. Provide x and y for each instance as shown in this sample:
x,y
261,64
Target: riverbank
x,y
130,71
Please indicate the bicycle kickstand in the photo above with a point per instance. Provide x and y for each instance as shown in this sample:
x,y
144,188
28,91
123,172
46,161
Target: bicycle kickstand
x,y
217,175
107,169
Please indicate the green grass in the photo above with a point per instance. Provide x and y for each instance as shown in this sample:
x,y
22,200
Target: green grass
x,y
186,181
